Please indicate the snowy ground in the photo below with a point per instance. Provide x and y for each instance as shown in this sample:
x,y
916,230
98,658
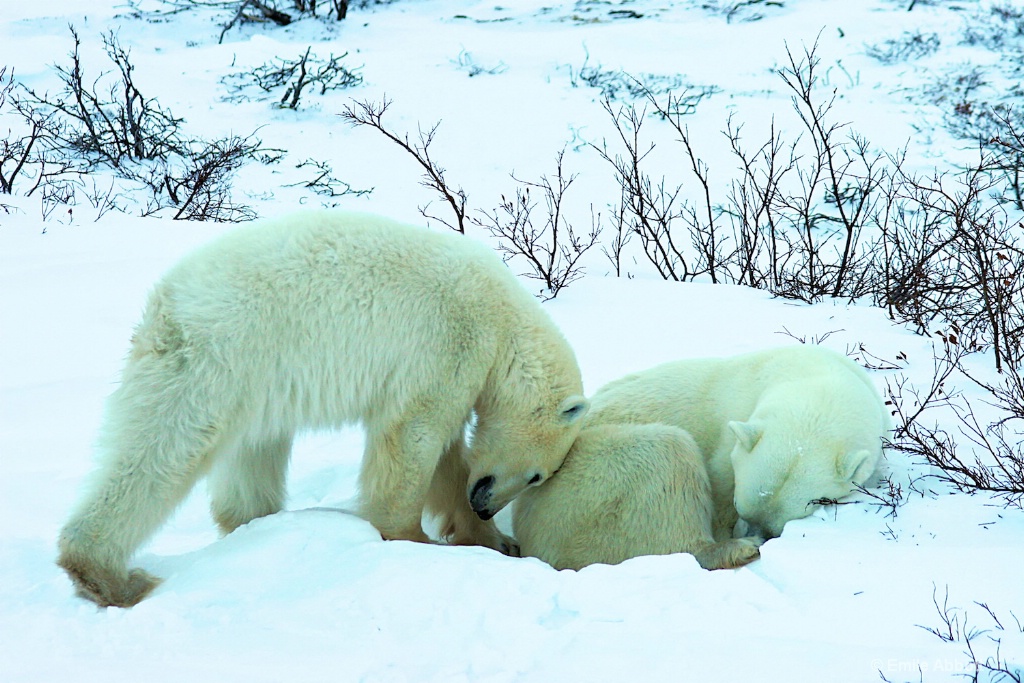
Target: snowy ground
x,y
313,594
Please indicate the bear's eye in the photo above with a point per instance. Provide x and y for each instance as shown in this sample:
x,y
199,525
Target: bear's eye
x,y
535,479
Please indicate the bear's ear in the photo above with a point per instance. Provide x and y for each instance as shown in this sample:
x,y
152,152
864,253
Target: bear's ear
x,y
856,467
572,409
747,433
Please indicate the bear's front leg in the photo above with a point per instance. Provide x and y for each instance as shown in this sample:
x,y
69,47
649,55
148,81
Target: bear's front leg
x,y
397,468
447,499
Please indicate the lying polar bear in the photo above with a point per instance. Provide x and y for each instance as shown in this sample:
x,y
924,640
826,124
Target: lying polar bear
x,y
781,432
623,491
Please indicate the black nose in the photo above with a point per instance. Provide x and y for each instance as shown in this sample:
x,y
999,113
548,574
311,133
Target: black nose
x,y
480,497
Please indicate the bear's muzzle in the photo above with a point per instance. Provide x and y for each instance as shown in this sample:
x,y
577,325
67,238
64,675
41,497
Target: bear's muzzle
x,y
480,497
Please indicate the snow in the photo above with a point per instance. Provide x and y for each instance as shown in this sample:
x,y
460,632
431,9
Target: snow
x,y
312,593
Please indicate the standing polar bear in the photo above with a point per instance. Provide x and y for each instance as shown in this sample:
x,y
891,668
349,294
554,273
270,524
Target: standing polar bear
x,y
314,321
780,431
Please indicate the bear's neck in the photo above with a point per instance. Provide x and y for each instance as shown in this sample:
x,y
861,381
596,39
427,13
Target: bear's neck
x,y
535,362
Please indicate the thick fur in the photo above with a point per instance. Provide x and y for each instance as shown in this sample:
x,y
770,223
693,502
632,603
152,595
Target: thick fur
x,y
624,491
314,321
781,430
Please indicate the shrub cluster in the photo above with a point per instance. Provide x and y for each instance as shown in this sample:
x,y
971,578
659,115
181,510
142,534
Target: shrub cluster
x,y
94,126
820,215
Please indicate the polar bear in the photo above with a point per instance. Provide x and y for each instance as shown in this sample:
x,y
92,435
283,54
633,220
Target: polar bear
x,y
782,430
313,321
626,490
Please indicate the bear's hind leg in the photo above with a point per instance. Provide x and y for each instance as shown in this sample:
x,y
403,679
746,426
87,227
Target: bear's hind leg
x,y
134,492
447,499
249,481
158,433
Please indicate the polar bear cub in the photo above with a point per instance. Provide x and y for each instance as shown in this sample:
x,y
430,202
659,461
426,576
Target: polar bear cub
x,y
624,491
782,430
314,321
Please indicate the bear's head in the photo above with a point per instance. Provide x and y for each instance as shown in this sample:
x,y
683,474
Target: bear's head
x,y
512,450
781,475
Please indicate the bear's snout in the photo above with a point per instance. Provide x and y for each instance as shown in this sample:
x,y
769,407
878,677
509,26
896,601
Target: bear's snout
x,y
480,497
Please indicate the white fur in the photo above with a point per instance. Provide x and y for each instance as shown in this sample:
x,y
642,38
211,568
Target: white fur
x,y
780,429
314,321
624,491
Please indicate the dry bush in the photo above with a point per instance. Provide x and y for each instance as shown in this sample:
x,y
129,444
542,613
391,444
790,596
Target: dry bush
x,y
617,85
980,640
292,77
106,123
549,246
937,424
108,120
996,26
910,45
324,182
741,10
671,230
197,186
28,157
371,114
279,12
791,222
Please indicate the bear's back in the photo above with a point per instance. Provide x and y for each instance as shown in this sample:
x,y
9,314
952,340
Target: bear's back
x,y
303,272
327,247
814,381
623,491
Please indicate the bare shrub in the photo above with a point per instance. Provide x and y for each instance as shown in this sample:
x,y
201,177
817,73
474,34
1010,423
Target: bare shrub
x,y
279,12
996,463
102,200
56,194
843,176
950,257
199,188
266,11
888,496
109,121
912,278
614,250
996,26
998,130
292,77
958,260
618,85
792,221
29,158
764,250
910,45
372,114
974,257
15,151
741,10
466,62
677,236
324,183
981,639
550,246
